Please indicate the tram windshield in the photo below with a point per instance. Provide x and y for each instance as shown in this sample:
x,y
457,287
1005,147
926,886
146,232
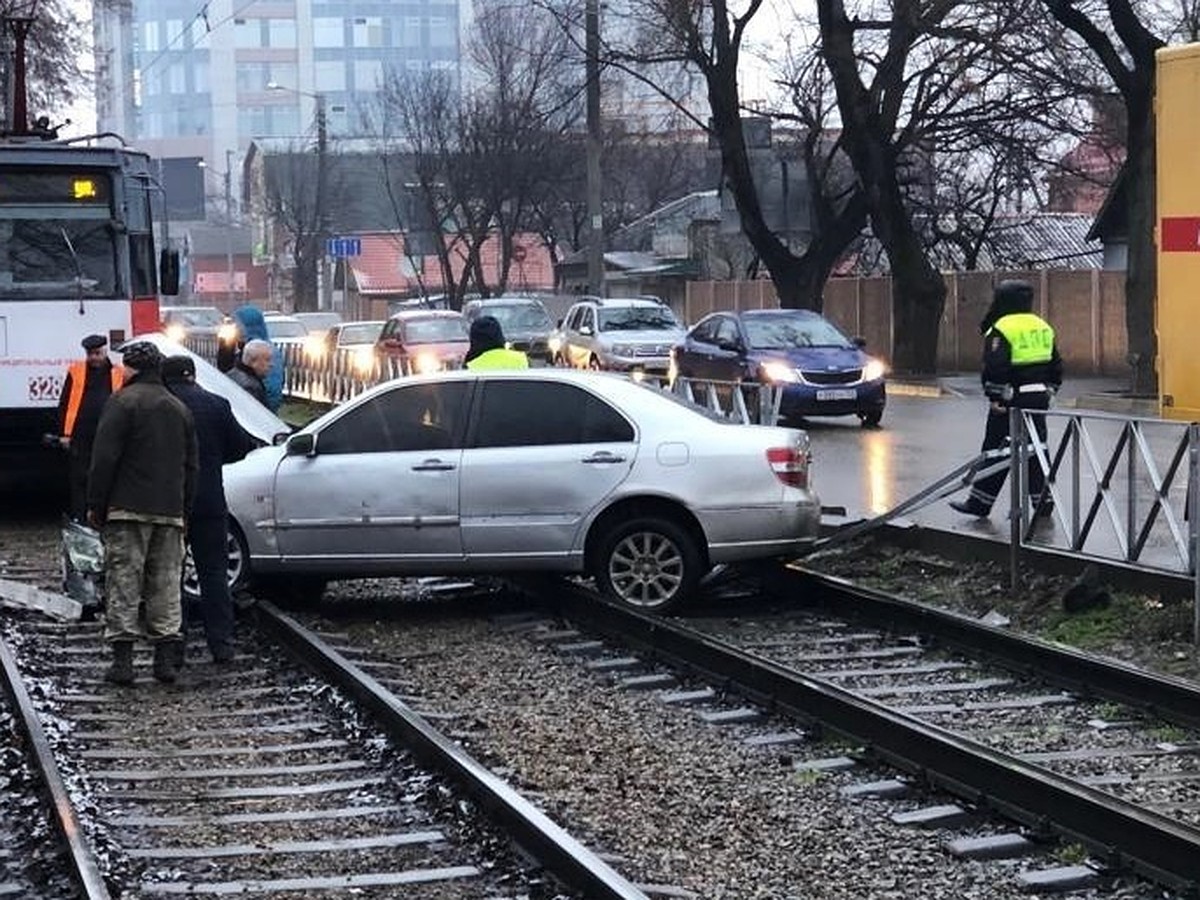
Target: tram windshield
x,y
57,236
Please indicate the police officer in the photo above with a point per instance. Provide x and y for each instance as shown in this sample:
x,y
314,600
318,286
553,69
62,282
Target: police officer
x,y
487,350
89,382
1021,368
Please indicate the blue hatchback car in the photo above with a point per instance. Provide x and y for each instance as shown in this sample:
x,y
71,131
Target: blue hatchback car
x,y
822,372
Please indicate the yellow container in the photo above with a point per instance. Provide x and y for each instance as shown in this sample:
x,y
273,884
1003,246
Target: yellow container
x,y
1177,312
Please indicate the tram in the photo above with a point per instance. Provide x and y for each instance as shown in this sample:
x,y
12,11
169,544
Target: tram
x,y
77,257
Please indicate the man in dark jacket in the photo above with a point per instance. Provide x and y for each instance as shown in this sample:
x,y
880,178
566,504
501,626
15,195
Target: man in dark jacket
x,y
1021,368
251,368
89,382
221,440
140,490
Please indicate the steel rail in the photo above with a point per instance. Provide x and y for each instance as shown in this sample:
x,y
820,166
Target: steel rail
x,y
85,868
1119,832
1171,698
545,840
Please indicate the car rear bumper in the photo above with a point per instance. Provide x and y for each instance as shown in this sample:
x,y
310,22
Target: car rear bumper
x,y
761,532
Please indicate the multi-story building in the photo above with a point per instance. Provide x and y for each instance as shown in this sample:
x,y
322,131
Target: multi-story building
x,y
188,78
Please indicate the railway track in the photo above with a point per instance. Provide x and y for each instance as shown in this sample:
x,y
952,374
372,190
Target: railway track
x,y
265,777
1064,744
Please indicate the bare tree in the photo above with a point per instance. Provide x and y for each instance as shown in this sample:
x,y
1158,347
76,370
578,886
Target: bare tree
x,y
54,76
1122,41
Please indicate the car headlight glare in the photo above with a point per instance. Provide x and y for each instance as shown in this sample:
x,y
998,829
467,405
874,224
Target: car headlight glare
x,y
314,347
227,333
874,370
428,362
176,333
776,371
622,349
364,360
555,344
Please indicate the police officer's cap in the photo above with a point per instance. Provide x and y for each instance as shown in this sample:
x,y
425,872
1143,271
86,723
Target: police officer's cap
x,y
94,342
177,368
1015,293
141,355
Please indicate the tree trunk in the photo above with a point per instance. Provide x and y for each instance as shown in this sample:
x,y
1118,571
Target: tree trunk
x,y
1141,274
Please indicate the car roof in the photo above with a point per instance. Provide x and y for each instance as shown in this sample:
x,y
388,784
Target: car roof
x,y
405,314
767,313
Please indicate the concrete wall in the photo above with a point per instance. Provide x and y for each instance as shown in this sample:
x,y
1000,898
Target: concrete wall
x,y
1086,308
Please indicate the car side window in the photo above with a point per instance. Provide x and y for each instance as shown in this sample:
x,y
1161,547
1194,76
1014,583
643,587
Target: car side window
x,y
588,319
705,332
529,413
573,318
727,331
411,417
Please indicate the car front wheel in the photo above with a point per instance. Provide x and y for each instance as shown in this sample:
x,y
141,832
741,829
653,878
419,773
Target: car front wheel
x,y
235,566
650,563
871,419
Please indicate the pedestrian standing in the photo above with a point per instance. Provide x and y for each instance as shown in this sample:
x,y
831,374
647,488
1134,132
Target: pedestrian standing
x,y
252,325
221,440
251,369
140,489
1021,368
89,382
487,349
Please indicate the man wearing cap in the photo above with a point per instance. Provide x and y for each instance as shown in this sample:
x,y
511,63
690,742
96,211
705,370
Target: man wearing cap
x,y
140,489
89,382
221,440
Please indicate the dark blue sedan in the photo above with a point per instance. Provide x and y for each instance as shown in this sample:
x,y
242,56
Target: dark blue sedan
x,y
822,372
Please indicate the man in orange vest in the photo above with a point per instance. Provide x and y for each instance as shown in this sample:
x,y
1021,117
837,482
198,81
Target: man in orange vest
x,y
90,381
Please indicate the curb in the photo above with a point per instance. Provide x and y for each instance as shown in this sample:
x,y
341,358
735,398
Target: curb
x,y
917,389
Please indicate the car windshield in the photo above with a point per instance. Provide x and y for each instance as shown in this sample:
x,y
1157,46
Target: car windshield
x,y
319,321
790,332
637,318
200,318
519,316
359,333
433,331
285,328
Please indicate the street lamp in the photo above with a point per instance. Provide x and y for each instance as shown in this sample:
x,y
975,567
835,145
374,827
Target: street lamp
x,y
324,295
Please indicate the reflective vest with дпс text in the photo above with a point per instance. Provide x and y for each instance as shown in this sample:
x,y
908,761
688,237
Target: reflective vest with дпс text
x,y
499,358
78,372
1030,338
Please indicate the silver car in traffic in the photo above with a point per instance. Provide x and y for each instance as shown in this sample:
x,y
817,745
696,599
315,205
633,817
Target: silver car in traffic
x,y
539,470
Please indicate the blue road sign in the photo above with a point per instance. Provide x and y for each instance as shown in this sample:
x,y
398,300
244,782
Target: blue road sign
x,y
343,247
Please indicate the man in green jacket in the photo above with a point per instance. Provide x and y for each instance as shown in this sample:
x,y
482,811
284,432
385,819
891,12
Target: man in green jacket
x,y
140,488
487,350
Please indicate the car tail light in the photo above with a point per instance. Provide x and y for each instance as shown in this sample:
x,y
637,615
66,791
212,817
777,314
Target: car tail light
x,y
790,465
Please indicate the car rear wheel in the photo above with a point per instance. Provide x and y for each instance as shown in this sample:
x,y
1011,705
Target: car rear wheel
x,y
236,556
650,563
871,419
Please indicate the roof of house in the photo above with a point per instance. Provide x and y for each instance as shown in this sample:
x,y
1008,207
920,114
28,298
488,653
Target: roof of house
x,y
385,269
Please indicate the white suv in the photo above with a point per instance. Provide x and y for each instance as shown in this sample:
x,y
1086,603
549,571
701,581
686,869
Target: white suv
x,y
620,333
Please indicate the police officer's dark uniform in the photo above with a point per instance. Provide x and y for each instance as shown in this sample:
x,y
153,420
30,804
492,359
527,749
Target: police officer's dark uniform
x,y
1021,368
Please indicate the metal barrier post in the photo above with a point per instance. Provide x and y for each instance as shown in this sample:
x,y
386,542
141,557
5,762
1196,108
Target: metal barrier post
x,y
1131,493
1016,443
1193,517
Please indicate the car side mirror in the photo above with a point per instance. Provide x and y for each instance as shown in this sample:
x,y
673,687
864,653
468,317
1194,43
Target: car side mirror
x,y
168,272
732,346
302,445
859,341
280,437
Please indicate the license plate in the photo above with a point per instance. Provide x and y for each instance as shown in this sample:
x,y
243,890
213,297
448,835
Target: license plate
x,y
838,394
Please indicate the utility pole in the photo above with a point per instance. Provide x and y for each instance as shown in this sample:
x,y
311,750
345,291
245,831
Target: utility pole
x,y
325,293
229,228
595,211
19,20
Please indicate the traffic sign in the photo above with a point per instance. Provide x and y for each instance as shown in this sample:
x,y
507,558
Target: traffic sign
x,y
343,247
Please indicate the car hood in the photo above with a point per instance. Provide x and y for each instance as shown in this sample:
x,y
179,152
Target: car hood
x,y
251,415
643,336
442,349
816,359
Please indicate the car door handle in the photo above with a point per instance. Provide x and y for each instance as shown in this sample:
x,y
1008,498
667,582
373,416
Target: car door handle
x,y
603,456
434,465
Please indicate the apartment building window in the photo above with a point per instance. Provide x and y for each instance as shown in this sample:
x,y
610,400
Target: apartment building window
x,y
174,34
200,77
177,76
368,74
150,40
330,75
368,32
199,31
443,32
329,32
251,76
281,32
411,36
247,33
284,121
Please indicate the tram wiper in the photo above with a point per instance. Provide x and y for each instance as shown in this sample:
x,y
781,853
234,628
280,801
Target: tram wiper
x,y
78,268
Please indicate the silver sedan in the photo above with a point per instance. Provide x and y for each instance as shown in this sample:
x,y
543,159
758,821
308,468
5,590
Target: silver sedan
x,y
541,470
